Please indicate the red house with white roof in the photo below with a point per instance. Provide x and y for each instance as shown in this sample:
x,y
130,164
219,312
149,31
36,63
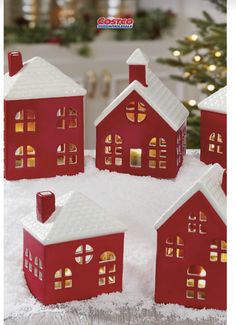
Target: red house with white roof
x,y
143,130
43,120
191,246
73,251
214,128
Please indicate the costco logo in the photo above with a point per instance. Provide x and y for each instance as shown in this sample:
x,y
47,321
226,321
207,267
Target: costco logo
x,y
120,23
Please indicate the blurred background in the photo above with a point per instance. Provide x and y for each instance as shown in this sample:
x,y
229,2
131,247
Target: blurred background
x,y
185,40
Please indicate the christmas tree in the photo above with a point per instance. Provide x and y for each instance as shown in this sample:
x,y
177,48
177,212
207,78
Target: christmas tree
x,y
201,59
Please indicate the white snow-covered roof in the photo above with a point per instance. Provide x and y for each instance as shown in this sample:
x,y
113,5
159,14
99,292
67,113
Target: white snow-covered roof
x,y
158,96
217,102
40,79
76,217
210,186
138,57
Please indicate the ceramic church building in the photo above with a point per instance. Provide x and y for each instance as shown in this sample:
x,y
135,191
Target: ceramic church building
x,y
43,120
143,130
191,246
73,251
213,128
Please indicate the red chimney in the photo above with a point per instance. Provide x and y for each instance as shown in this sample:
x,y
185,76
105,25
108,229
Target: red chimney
x,y
45,205
224,182
14,62
138,62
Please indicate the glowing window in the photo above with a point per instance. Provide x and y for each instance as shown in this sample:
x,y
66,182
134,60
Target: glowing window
x,y
67,117
63,279
113,150
196,282
197,223
218,251
67,154
157,153
216,143
174,247
136,112
25,157
107,269
84,254
25,121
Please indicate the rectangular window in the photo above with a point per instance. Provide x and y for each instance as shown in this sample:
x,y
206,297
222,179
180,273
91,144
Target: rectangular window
x,y
136,158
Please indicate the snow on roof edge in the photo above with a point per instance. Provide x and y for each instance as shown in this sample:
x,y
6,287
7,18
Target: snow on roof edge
x,y
217,102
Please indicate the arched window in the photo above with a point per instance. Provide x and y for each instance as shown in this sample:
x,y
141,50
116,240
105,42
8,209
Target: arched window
x,y
216,142
63,279
218,251
107,269
84,254
28,260
174,247
157,153
196,282
25,121
67,154
25,157
197,223
67,118
113,150
38,266
136,112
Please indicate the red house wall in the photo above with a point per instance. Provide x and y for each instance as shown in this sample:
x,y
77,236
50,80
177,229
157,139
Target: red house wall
x,y
213,122
84,277
171,272
137,135
45,139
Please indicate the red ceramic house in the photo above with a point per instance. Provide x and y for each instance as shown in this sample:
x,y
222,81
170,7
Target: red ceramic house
x,y
213,128
143,130
73,251
191,246
43,120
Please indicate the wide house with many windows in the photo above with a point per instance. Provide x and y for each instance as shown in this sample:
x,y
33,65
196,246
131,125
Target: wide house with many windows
x,y
143,130
71,251
191,246
43,120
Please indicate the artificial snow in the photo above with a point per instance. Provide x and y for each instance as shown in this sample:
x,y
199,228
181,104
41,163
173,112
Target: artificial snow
x,y
135,201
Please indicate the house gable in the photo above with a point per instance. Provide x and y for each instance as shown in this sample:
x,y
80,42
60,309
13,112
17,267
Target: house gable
x,y
217,102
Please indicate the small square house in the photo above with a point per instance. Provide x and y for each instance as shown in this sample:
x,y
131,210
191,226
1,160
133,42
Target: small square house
x,y
143,130
191,246
73,251
214,128
43,120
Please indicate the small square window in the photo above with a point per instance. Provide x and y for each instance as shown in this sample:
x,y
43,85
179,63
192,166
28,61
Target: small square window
x,y
19,163
179,253
31,126
61,148
118,139
31,162
211,147
60,124
19,127
202,216
35,272
108,139
201,295
118,150
61,160
72,147
190,294
61,112
192,227
30,267
219,138
223,245
201,284
202,229
213,256
72,112
108,150
219,149
101,281
162,142
108,161
68,283
57,285
26,264
40,276
152,163
118,161
72,159
111,279
162,153
152,153
192,217
102,270
169,251
162,164
136,158
112,269
73,123
190,283
223,257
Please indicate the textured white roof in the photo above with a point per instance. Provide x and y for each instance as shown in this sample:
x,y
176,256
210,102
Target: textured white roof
x,y
76,217
40,79
138,57
210,186
217,102
159,97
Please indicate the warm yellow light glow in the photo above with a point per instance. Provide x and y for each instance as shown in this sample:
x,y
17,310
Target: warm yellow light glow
x,y
218,54
211,87
176,53
186,74
193,37
212,67
197,58
192,102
